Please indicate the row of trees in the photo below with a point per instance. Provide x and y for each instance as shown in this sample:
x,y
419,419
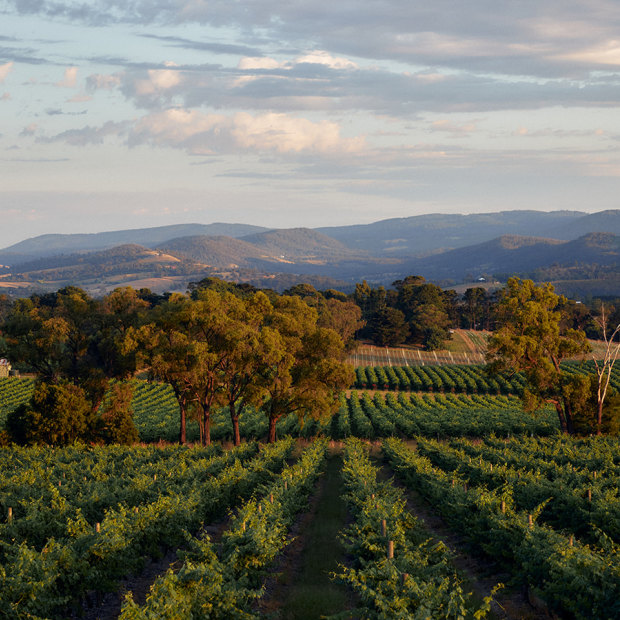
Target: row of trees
x,y
419,312
218,346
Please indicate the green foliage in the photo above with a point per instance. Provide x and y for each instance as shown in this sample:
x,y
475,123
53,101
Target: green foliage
x,y
143,499
419,581
116,416
57,414
576,579
529,338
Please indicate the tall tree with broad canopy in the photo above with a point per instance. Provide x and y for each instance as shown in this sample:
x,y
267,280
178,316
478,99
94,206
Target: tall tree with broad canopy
x,y
306,371
528,338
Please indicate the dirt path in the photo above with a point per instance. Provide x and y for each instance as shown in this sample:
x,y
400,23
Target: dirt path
x,y
481,575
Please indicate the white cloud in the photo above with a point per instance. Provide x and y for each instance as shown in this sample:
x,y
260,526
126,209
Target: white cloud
x,y
320,57
5,69
158,80
69,79
249,63
201,133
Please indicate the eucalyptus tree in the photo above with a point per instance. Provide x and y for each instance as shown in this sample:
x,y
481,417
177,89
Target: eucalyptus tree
x,y
306,371
528,337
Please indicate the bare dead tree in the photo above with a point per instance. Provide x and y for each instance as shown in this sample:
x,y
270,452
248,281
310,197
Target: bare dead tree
x,y
605,366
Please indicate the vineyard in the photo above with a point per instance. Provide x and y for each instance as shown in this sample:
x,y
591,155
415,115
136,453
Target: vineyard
x,y
540,509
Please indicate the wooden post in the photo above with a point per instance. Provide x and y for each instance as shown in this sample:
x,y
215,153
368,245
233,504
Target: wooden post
x,y
383,527
589,495
403,578
10,515
571,540
271,497
260,508
154,477
390,549
98,528
530,521
503,506
243,526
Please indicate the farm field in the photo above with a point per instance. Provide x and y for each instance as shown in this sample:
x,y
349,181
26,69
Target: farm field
x,y
78,520
167,531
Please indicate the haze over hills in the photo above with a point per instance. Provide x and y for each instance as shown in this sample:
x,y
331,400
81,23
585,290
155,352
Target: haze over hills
x,y
448,249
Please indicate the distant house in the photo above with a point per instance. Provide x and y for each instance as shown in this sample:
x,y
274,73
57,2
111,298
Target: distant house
x,y
5,367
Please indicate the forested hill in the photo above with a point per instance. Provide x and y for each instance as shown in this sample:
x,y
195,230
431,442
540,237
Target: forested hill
x,y
511,254
544,246
48,245
425,234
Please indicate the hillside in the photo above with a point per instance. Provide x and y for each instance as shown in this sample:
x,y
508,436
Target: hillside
x,y
221,252
49,245
515,255
425,234
379,253
302,244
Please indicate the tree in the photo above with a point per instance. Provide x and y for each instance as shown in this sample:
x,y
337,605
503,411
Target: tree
x,y
306,371
116,416
424,307
528,338
605,366
57,414
388,327
172,357
475,307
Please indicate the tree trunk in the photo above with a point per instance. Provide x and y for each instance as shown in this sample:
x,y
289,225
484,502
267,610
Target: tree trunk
x,y
599,417
272,430
561,417
206,423
234,418
182,430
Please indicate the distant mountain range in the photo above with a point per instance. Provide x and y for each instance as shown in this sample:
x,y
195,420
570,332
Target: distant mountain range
x,y
448,249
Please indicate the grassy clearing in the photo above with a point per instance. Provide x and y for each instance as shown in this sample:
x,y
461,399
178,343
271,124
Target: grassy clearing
x,y
311,593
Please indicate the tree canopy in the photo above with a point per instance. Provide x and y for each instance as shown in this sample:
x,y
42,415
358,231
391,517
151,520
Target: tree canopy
x,y
529,338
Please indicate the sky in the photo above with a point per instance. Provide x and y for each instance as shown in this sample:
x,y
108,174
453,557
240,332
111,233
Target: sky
x,y
122,114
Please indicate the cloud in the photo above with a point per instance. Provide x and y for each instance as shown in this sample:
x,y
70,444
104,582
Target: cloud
x,y
5,96
69,79
5,69
29,130
200,133
158,80
98,81
88,135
